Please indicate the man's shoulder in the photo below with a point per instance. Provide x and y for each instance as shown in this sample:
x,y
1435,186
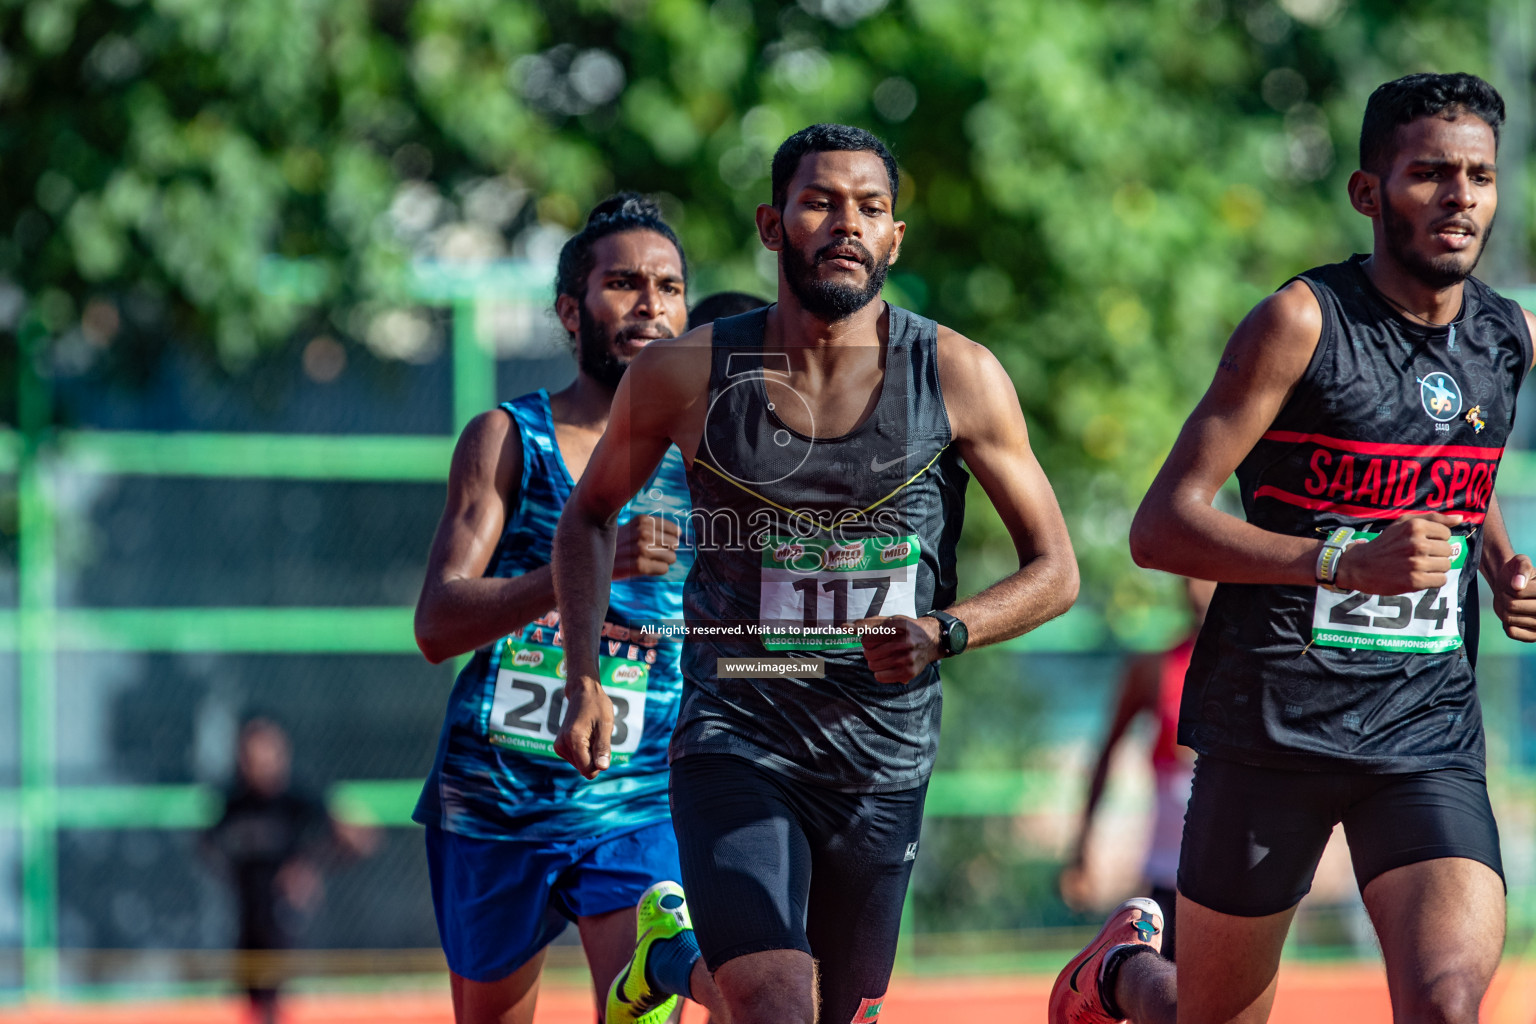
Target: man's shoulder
x,y
674,364
948,337
962,362
497,430
489,450
1290,316
1487,294
702,336
1294,302
503,419
1330,272
668,351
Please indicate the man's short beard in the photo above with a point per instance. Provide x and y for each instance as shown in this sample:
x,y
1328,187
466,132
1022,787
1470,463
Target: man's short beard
x,y
1438,272
831,300
594,349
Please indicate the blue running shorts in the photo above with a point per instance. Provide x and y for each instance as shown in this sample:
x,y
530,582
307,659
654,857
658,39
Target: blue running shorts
x,y
499,901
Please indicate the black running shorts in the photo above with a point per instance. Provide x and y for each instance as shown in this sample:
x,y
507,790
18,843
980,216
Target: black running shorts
x,y
1253,836
772,863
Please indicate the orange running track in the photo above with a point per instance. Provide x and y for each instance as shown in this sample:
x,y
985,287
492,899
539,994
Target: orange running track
x,y
1353,994
1308,995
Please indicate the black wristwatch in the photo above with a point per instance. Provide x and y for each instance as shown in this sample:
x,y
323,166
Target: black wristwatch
x,y
952,634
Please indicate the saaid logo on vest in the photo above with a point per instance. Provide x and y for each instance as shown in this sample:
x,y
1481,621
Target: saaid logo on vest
x,y
1440,396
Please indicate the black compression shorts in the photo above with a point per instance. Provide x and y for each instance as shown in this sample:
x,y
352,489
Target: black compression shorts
x,y
1253,836
772,863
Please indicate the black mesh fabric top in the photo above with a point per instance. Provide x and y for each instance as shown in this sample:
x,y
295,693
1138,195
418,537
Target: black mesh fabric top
x,y
796,536
1391,418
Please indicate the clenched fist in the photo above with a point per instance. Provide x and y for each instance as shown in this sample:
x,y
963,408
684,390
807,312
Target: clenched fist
x,y
1514,598
1412,554
897,647
647,546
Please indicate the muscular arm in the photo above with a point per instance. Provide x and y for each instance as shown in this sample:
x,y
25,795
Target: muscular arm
x,y
653,407
988,428
1176,528
1509,574
460,608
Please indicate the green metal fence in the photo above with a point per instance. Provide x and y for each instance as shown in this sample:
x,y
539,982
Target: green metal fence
x,y
37,630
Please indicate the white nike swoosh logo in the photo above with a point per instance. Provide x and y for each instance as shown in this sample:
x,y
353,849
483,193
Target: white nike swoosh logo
x,y
876,467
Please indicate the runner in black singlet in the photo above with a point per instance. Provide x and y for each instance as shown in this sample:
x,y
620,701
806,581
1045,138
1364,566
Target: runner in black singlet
x,y
826,436
1364,408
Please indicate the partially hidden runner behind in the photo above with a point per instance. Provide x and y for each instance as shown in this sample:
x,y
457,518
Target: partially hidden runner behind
x,y
518,843
722,304
1153,685
830,438
1364,408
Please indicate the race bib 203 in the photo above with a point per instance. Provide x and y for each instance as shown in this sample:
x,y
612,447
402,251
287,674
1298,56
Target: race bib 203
x,y
530,699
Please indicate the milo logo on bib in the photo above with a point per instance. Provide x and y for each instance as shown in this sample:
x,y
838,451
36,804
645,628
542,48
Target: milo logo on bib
x,y
811,588
849,556
529,705
788,553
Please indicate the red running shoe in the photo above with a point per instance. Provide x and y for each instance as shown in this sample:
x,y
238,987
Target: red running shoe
x,y
1076,998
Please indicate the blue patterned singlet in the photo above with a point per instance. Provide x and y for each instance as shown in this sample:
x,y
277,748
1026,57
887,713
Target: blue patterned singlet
x,y
496,775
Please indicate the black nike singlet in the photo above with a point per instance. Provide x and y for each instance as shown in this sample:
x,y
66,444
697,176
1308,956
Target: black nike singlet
x,y
1391,418
796,536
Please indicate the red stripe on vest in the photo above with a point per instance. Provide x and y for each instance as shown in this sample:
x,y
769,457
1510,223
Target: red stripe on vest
x,y
1415,451
1360,511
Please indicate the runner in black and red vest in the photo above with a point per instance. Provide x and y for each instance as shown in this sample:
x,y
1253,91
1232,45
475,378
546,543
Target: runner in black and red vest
x,y
1364,408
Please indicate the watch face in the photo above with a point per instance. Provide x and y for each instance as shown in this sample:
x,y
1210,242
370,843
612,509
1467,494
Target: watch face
x,y
957,636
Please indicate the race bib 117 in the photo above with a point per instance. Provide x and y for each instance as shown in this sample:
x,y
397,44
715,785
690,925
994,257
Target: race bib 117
x,y
812,588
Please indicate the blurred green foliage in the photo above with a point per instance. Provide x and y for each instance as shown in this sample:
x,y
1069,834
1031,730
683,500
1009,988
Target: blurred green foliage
x,y
1098,190
985,875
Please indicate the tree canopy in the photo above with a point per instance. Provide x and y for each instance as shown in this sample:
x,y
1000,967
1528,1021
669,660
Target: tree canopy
x,y
1096,190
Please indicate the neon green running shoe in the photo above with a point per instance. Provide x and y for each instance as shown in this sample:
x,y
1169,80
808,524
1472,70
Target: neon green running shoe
x,y
661,914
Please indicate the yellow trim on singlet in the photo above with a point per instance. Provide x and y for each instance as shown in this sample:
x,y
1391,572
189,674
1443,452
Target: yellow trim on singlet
x,y
808,517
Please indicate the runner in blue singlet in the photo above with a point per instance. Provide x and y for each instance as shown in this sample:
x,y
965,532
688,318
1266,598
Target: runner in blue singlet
x,y
518,843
